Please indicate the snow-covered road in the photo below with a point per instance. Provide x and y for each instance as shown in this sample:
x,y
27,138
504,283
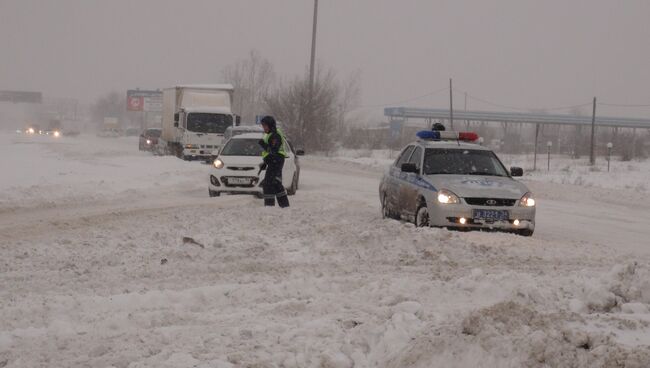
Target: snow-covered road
x,y
97,269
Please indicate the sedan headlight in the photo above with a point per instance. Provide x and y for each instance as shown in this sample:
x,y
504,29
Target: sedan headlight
x,y
148,141
527,200
218,164
56,133
447,197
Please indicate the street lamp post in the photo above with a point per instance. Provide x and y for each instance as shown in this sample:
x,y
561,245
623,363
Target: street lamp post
x,y
609,154
549,144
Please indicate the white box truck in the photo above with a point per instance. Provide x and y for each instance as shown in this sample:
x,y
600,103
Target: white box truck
x,y
195,118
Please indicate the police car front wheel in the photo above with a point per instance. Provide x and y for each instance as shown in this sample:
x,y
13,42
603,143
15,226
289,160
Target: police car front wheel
x,y
422,216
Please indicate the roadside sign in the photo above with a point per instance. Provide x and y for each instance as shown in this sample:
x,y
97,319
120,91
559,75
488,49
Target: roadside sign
x,y
143,100
395,129
21,96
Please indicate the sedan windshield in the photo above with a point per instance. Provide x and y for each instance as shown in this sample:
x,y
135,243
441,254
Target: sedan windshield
x,y
153,133
200,122
242,147
462,162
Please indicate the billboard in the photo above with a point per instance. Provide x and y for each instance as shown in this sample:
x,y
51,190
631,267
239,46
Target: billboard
x,y
21,96
143,100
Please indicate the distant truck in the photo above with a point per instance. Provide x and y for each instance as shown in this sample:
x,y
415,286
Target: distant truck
x,y
110,128
195,118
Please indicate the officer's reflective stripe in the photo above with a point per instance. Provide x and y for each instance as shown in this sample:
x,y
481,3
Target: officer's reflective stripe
x,y
282,194
269,196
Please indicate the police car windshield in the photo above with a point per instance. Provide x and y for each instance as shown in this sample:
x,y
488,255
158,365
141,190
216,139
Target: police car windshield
x,y
201,122
462,162
242,147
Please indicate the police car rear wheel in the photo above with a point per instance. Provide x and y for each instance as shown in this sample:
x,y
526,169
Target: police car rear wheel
x,y
422,216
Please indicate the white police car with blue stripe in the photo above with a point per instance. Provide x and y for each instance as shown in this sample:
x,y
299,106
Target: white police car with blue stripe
x,y
444,180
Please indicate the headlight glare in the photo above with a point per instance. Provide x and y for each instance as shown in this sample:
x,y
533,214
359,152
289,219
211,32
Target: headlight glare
x,y
218,164
527,200
447,197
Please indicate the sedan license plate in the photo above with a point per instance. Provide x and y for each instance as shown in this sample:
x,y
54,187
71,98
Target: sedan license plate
x,y
239,181
497,215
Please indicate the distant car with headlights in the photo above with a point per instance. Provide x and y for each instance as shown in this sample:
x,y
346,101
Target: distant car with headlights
x,y
149,139
236,169
443,180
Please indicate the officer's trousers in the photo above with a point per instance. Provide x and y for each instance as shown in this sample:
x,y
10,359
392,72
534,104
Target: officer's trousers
x,y
272,185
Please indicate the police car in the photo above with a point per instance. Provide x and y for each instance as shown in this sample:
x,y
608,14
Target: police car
x,y
445,180
236,168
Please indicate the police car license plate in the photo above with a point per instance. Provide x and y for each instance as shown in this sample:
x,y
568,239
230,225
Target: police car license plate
x,y
239,181
497,215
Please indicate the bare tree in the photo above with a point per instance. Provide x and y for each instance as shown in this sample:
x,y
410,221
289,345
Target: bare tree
x,y
312,124
112,104
322,122
252,79
350,97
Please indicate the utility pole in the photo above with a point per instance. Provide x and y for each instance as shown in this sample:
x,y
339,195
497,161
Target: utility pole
x,y
535,154
308,115
592,158
466,121
313,50
451,106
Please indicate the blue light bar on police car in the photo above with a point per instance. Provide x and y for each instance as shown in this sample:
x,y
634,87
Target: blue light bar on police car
x,y
436,135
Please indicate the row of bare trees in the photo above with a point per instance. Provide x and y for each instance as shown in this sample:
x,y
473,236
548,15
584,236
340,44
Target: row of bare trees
x,y
316,121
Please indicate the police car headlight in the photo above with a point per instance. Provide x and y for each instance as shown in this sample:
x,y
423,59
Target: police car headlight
x,y
218,164
447,197
148,141
527,200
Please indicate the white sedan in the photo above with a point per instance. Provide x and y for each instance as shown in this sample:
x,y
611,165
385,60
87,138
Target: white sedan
x,y
236,169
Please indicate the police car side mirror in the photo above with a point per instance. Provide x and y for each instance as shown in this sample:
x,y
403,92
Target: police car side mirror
x,y
409,168
516,171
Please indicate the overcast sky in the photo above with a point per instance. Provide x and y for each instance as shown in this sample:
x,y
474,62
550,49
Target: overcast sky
x,y
527,54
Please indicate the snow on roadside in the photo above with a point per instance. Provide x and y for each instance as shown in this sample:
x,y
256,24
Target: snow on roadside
x,y
224,282
633,175
45,171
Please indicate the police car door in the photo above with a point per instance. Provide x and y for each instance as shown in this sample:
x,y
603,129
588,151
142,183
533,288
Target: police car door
x,y
395,181
410,188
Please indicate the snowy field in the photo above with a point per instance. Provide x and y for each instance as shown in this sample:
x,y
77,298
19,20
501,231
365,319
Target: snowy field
x,y
97,269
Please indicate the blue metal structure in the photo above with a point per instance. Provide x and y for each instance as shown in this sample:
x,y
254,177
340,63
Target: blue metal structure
x,y
514,117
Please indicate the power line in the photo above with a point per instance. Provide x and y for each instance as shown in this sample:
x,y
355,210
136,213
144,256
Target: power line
x,y
521,108
623,105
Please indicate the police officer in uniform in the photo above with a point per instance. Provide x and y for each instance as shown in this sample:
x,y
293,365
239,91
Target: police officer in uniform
x,y
275,151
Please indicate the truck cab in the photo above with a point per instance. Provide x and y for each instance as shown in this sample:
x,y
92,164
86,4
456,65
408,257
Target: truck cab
x,y
195,118
202,130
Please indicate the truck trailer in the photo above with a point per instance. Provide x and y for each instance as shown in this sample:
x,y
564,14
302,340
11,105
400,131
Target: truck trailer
x,y
195,118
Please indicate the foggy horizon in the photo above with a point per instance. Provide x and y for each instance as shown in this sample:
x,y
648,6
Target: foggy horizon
x,y
523,55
